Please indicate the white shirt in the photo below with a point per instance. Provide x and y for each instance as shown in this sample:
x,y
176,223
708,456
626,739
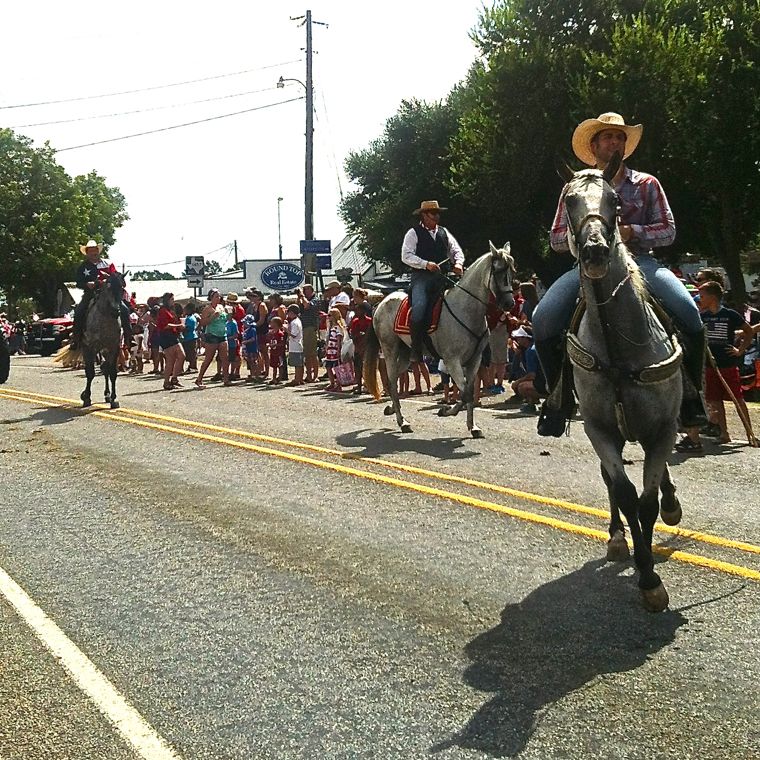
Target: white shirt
x,y
409,249
295,336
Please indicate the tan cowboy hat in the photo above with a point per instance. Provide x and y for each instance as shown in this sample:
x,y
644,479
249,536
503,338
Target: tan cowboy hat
x,y
429,206
91,244
333,284
231,298
585,131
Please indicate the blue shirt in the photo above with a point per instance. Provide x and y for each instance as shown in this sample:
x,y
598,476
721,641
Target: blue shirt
x,y
191,328
232,334
530,360
250,334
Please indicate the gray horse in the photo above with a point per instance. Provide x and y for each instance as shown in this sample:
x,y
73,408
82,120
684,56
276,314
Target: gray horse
x,y
102,335
627,374
460,338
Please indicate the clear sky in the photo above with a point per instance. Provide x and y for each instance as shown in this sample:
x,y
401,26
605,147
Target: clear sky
x,y
192,190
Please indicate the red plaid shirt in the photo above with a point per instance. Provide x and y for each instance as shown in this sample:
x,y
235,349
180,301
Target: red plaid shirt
x,y
643,206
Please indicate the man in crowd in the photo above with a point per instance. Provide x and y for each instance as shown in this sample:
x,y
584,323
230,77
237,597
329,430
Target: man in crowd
x,y
309,306
525,386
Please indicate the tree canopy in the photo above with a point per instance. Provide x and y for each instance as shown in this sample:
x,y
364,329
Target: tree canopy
x,y
45,216
689,70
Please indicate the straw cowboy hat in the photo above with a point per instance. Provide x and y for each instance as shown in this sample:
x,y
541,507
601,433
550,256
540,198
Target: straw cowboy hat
x,y
231,298
333,284
429,206
91,244
585,131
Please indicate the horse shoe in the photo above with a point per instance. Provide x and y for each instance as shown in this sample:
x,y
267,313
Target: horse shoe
x,y
655,599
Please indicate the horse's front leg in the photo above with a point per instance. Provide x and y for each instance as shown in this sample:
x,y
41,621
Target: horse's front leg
x,y
465,378
113,371
608,447
89,372
617,546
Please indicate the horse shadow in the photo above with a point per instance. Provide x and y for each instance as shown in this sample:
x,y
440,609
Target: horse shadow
x,y
561,637
375,443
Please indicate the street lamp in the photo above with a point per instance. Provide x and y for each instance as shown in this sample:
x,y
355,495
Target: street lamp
x,y
279,234
309,183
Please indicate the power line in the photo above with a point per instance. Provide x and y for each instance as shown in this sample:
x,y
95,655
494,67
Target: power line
x,y
147,89
178,126
141,110
226,246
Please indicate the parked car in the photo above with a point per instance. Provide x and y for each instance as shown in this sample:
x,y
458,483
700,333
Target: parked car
x,y
46,336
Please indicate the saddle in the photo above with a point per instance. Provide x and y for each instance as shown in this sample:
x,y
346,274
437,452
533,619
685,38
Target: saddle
x,y
401,323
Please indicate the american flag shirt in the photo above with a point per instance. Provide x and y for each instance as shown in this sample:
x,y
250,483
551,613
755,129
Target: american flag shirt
x,y
643,205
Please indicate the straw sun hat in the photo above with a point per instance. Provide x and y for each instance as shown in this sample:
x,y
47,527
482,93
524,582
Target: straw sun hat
x,y
429,206
585,131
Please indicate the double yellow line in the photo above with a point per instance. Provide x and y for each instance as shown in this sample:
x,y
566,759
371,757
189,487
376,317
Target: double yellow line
x,y
189,428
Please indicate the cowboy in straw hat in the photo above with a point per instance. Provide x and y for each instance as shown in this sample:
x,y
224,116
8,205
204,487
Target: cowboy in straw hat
x,y
645,223
426,244
91,273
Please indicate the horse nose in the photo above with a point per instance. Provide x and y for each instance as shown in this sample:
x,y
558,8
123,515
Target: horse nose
x,y
595,259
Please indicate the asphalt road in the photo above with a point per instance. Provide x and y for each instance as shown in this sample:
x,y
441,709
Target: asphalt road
x,y
249,598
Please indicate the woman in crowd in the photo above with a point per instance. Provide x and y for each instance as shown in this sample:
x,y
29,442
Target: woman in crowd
x,y
258,309
214,320
335,332
530,301
169,327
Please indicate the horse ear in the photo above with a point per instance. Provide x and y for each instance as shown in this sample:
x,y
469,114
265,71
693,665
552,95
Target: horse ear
x,y
494,249
564,171
612,167
507,248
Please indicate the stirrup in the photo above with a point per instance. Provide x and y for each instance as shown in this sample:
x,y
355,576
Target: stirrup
x,y
551,422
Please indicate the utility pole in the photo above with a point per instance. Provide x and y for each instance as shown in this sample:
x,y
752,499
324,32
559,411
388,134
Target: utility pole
x,y
279,232
234,245
309,189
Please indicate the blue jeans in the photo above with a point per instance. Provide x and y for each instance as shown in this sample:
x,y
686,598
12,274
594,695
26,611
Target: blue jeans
x,y
423,288
555,310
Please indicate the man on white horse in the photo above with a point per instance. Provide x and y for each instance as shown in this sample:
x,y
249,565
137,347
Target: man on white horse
x,y
645,222
424,246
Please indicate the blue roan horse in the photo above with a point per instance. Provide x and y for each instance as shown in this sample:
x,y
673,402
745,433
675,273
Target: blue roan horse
x,y
460,338
102,336
627,374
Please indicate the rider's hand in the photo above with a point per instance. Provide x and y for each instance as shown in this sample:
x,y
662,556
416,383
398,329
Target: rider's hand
x,y
90,285
457,270
626,233
431,266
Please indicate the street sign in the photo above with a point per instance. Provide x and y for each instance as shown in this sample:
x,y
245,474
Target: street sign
x,y
315,246
324,261
194,269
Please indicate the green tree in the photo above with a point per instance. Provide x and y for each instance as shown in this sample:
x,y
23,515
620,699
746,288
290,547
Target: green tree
x,y
692,76
44,217
152,275
409,163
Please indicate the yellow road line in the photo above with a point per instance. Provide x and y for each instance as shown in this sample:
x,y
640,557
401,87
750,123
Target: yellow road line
x,y
693,535
686,557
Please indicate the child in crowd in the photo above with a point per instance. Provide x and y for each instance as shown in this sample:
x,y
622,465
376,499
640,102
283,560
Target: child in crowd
x,y
295,344
233,337
358,330
190,337
250,347
336,329
276,346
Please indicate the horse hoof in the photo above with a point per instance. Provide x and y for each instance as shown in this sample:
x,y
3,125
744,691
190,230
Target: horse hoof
x,y
477,433
388,411
86,402
107,399
617,550
655,599
406,428
114,405
674,516
443,412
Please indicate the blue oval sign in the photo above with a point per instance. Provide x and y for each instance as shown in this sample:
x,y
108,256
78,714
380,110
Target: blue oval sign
x,y
282,276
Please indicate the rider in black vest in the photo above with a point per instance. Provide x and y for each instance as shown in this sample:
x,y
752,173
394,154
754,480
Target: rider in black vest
x,y
424,246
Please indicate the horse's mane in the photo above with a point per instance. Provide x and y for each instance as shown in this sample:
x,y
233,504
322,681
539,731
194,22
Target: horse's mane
x,y
637,279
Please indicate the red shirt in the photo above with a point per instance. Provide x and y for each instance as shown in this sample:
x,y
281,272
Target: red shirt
x,y
167,317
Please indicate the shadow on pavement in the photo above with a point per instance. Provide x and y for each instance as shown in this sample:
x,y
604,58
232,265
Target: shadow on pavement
x,y
378,442
558,639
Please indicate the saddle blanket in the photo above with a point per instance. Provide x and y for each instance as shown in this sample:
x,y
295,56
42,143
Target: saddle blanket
x,y
401,323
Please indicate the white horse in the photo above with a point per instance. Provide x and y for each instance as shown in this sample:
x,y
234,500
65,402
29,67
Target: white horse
x,y
460,338
627,373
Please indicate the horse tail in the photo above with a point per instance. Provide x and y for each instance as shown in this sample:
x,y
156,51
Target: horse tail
x,y
68,357
371,353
